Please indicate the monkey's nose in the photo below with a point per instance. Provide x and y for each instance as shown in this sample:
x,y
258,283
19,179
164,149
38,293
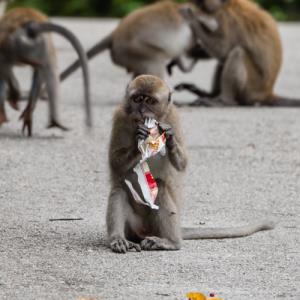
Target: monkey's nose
x,y
142,110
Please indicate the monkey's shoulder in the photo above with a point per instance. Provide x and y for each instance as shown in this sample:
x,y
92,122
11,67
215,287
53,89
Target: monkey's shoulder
x,y
22,15
18,17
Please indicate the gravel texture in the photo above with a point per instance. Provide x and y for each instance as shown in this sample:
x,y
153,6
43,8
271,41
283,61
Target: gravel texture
x,y
244,165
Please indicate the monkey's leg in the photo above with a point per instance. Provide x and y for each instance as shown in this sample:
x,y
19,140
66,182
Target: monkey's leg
x,y
204,97
119,214
165,223
234,79
233,82
3,117
51,79
33,96
13,91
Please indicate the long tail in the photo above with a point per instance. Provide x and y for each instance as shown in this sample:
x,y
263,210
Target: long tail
x,y
96,49
223,233
280,101
34,28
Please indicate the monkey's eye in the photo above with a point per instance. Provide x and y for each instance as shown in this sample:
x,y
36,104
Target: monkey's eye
x,y
151,101
137,99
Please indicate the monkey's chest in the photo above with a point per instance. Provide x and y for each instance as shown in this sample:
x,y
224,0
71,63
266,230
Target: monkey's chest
x,y
157,167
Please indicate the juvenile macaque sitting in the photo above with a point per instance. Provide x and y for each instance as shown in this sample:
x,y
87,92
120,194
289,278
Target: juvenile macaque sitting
x,y
133,225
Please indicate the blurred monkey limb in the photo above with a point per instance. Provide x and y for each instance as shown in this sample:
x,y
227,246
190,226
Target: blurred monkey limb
x,y
248,48
3,6
149,38
25,40
131,225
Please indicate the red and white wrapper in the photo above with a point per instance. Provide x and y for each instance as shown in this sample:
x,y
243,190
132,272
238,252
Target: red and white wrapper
x,y
153,145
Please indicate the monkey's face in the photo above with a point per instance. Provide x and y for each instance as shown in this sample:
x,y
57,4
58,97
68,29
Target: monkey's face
x,y
209,6
147,97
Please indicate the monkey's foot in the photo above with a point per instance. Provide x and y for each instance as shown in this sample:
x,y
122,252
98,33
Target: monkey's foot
x,y
56,124
121,245
156,243
27,125
14,104
26,116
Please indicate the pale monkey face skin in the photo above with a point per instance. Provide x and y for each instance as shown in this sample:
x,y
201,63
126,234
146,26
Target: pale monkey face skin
x,y
147,97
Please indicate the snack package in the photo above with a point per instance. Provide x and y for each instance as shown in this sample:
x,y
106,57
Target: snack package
x,y
153,145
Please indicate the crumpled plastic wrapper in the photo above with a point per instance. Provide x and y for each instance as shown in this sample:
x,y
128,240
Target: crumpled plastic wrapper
x,y
155,144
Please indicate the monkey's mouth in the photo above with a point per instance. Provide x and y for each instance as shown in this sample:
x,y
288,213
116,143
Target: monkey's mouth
x,y
141,117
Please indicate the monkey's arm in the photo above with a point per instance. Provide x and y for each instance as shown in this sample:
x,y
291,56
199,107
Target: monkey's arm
x,y
124,159
176,151
123,154
183,67
177,156
14,93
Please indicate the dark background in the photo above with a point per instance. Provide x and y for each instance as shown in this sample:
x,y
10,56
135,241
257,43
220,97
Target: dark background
x,y
281,9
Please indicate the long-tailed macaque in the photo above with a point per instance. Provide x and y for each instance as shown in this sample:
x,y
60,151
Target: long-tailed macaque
x,y
131,225
25,40
149,38
248,48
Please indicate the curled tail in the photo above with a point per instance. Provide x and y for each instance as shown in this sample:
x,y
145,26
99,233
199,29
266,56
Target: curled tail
x,y
280,101
223,233
96,49
35,28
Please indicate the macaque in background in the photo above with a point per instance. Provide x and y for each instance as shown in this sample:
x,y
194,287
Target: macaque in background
x,y
25,40
248,48
148,39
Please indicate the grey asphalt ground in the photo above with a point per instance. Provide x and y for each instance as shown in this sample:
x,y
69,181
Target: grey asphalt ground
x,y
244,165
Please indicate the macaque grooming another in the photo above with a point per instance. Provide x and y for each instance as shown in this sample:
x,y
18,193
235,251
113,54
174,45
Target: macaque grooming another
x,y
25,40
148,39
248,48
131,225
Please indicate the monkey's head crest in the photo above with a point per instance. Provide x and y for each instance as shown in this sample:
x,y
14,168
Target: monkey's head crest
x,y
147,96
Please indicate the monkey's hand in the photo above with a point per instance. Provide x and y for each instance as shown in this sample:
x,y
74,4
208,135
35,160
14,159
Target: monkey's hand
x,y
142,132
176,151
169,132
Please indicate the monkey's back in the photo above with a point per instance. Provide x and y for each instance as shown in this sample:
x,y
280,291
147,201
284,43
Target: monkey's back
x,y
257,32
154,26
16,18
